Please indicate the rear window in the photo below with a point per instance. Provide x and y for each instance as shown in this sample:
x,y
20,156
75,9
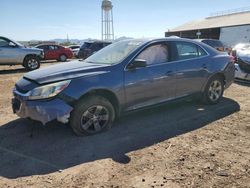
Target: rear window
x,y
43,47
74,47
188,50
86,45
213,43
106,44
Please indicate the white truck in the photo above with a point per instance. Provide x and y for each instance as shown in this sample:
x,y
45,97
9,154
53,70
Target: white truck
x,y
14,53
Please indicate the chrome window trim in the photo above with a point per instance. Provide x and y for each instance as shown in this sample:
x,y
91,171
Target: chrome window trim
x,y
176,61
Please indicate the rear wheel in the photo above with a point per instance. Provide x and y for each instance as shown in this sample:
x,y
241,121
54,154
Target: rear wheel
x,y
92,115
31,63
63,58
214,90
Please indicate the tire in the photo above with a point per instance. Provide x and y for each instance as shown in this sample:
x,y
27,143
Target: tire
x,y
214,90
92,115
63,58
31,63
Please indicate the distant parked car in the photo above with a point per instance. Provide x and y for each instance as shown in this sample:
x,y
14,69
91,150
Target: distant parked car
x,y
242,46
14,53
241,52
217,44
239,48
88,48
75,49
125,76
53,51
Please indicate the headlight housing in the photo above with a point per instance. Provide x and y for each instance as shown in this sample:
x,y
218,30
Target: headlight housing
x,y
47,91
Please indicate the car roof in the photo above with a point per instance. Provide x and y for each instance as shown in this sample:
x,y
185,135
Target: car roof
x,y
200,40
145,41
97,41
3,37
48,45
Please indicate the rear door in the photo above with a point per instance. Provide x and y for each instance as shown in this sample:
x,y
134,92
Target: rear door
x,y
154,83
191,71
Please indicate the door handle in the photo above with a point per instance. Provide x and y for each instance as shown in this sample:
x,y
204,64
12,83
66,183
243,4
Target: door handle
x,y
204,66
169,72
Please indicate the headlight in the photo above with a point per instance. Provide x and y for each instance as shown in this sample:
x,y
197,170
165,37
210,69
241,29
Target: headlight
x,y
47,91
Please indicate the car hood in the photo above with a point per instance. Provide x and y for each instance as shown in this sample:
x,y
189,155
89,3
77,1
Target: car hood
x,y
31,49
65,71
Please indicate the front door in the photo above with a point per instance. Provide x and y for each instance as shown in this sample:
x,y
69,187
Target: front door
x,y
8,52
151,84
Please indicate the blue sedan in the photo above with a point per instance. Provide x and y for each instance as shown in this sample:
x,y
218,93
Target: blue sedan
x,y
122,77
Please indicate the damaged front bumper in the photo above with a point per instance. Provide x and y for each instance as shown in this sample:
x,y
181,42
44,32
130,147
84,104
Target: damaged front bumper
x,y
41,110
241,75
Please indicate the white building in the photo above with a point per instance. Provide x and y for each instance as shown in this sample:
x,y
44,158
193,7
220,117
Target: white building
x,y
229,27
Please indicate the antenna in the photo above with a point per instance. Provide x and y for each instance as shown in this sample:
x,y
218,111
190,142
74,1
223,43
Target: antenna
x,y
107,21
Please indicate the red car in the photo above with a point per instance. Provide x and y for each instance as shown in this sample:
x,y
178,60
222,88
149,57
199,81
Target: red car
x,y
53,51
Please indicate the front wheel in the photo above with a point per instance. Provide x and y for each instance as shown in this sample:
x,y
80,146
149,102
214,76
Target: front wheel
x,y
31,63
213,91
92,115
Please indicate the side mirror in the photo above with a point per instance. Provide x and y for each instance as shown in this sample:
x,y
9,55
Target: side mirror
x,y
12,45
137,63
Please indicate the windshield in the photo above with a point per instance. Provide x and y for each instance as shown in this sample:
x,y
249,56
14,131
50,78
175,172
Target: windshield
x,y
115,52
19,44
15,42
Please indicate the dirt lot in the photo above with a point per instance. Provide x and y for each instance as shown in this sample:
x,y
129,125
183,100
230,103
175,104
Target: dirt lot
x,y
184,144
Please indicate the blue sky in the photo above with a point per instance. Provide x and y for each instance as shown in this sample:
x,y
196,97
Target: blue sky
x,y
49,19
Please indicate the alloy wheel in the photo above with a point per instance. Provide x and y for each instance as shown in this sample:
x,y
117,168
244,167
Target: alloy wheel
x,y
94,119
215,90
32,64
63,58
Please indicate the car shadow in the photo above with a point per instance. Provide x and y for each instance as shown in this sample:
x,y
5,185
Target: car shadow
x,y
244,83
27,148
13,71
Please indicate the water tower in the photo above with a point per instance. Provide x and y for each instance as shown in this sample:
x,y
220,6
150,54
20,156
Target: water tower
x,y
107,21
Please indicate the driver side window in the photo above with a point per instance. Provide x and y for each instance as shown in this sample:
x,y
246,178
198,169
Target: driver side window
x,y
155,54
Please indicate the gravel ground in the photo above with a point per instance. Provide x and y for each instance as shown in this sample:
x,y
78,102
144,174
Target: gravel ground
x,y
184,144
